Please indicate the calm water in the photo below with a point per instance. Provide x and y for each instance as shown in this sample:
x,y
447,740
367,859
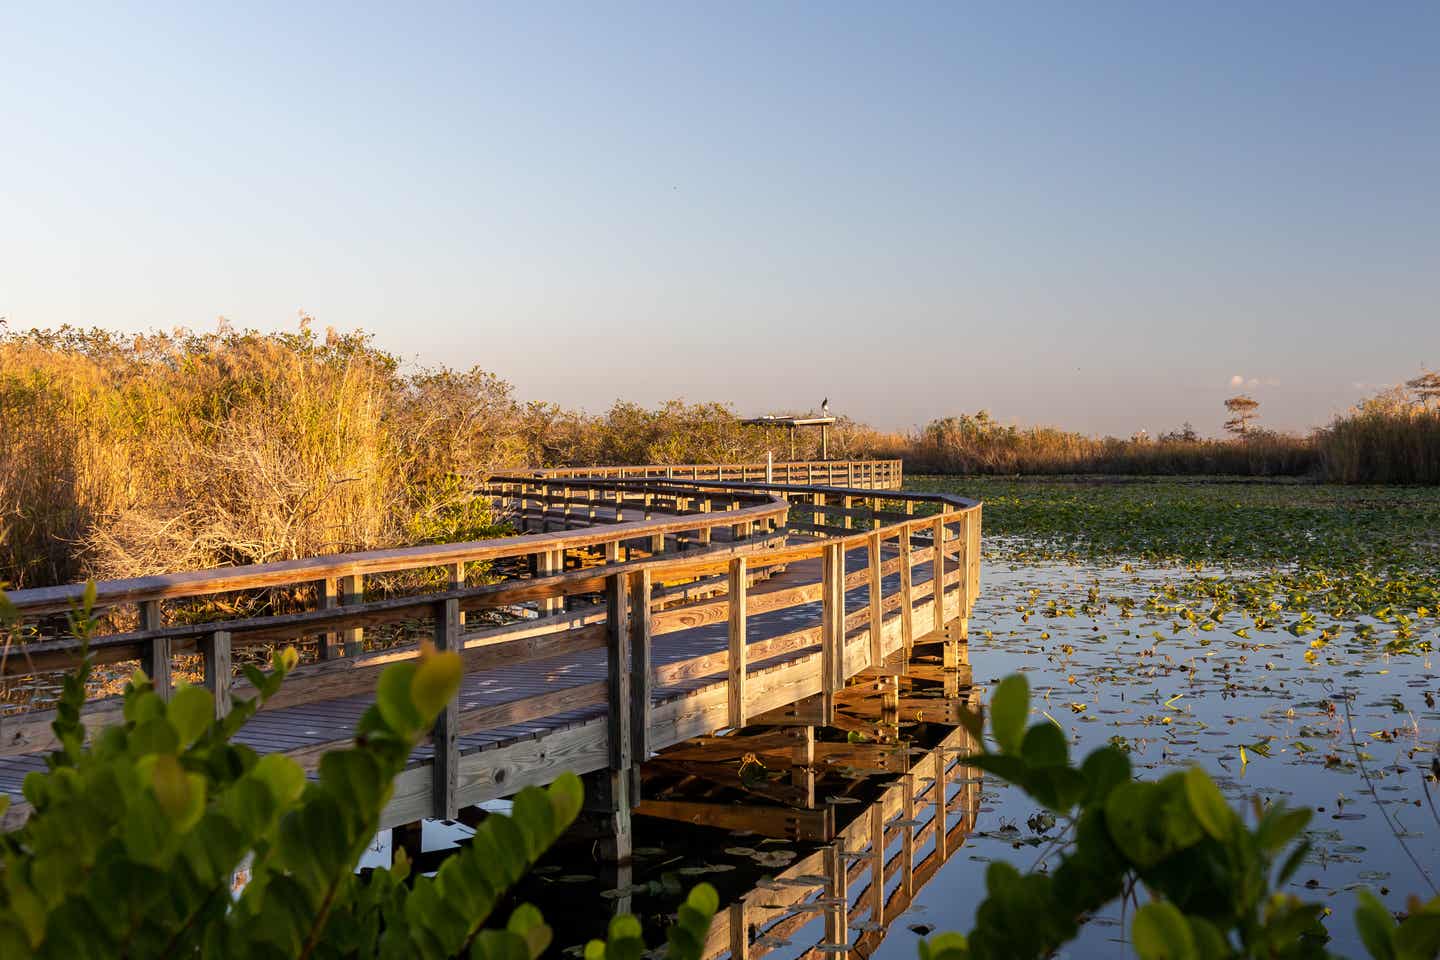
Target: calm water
x,y
1198,697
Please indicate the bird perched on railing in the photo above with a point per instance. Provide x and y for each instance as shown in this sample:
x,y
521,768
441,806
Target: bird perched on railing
x,y
825,407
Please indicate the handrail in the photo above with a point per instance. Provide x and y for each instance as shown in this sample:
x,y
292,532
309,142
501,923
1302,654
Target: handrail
x,y
39,601
881,474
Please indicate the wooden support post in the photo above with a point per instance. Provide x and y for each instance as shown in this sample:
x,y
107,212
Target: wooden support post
x,y
704,532
877,603
642,677
907,838
957,644
618,673
157,649
937,574
907,586
832,628
847,504
215,648
877,863
329,598
737,600
352,590
739,931
819,501
445,769
612,551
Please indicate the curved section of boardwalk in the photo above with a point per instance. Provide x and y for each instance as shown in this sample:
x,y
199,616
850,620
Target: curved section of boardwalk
x,y
658,610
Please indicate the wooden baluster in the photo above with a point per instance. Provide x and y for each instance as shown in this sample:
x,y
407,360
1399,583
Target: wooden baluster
x,y
215,649
704,532
549,563
158,650
877,602
329,598
738,651
352,590
445,736
458,581
819,501
642,676
937,571
832,629
907,578
846,504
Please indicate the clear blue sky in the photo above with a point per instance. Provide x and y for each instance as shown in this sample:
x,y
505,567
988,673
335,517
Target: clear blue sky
x,y
1092,214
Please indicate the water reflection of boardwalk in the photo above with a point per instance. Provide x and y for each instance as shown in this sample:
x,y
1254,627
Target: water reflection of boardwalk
x,y
872,864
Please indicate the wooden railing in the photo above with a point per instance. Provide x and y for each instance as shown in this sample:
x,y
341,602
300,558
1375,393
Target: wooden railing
x,y
650,559
869,474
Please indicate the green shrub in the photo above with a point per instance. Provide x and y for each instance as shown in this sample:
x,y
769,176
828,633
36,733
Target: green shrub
x,y
1212,878
134,839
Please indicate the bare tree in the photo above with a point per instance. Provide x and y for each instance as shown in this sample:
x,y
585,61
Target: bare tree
x,y
1426,387
1242,410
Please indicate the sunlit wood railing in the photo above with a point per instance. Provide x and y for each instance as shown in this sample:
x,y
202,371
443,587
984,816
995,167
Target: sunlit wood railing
x,y
869,474
607,568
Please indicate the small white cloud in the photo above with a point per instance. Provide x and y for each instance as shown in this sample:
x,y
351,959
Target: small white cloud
x,y
1237,381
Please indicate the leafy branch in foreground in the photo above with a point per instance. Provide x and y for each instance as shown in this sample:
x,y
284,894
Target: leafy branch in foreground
x,y
134,839
1213,880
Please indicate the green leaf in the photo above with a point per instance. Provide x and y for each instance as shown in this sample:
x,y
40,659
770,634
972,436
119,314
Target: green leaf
x,y
529,925
1160,932
1045,746
282,775
1376,926
1280,825
190,711
9,613
973,721
435,682
1104,770
944,946
180,794
1208,806
1150,822
393,699
1418,937
1009,706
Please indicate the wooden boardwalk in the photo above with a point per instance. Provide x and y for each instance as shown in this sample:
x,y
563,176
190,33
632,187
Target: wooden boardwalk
x,y
660,610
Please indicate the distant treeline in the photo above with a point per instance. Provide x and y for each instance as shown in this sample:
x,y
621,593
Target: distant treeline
x,y
1391,438
121,456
